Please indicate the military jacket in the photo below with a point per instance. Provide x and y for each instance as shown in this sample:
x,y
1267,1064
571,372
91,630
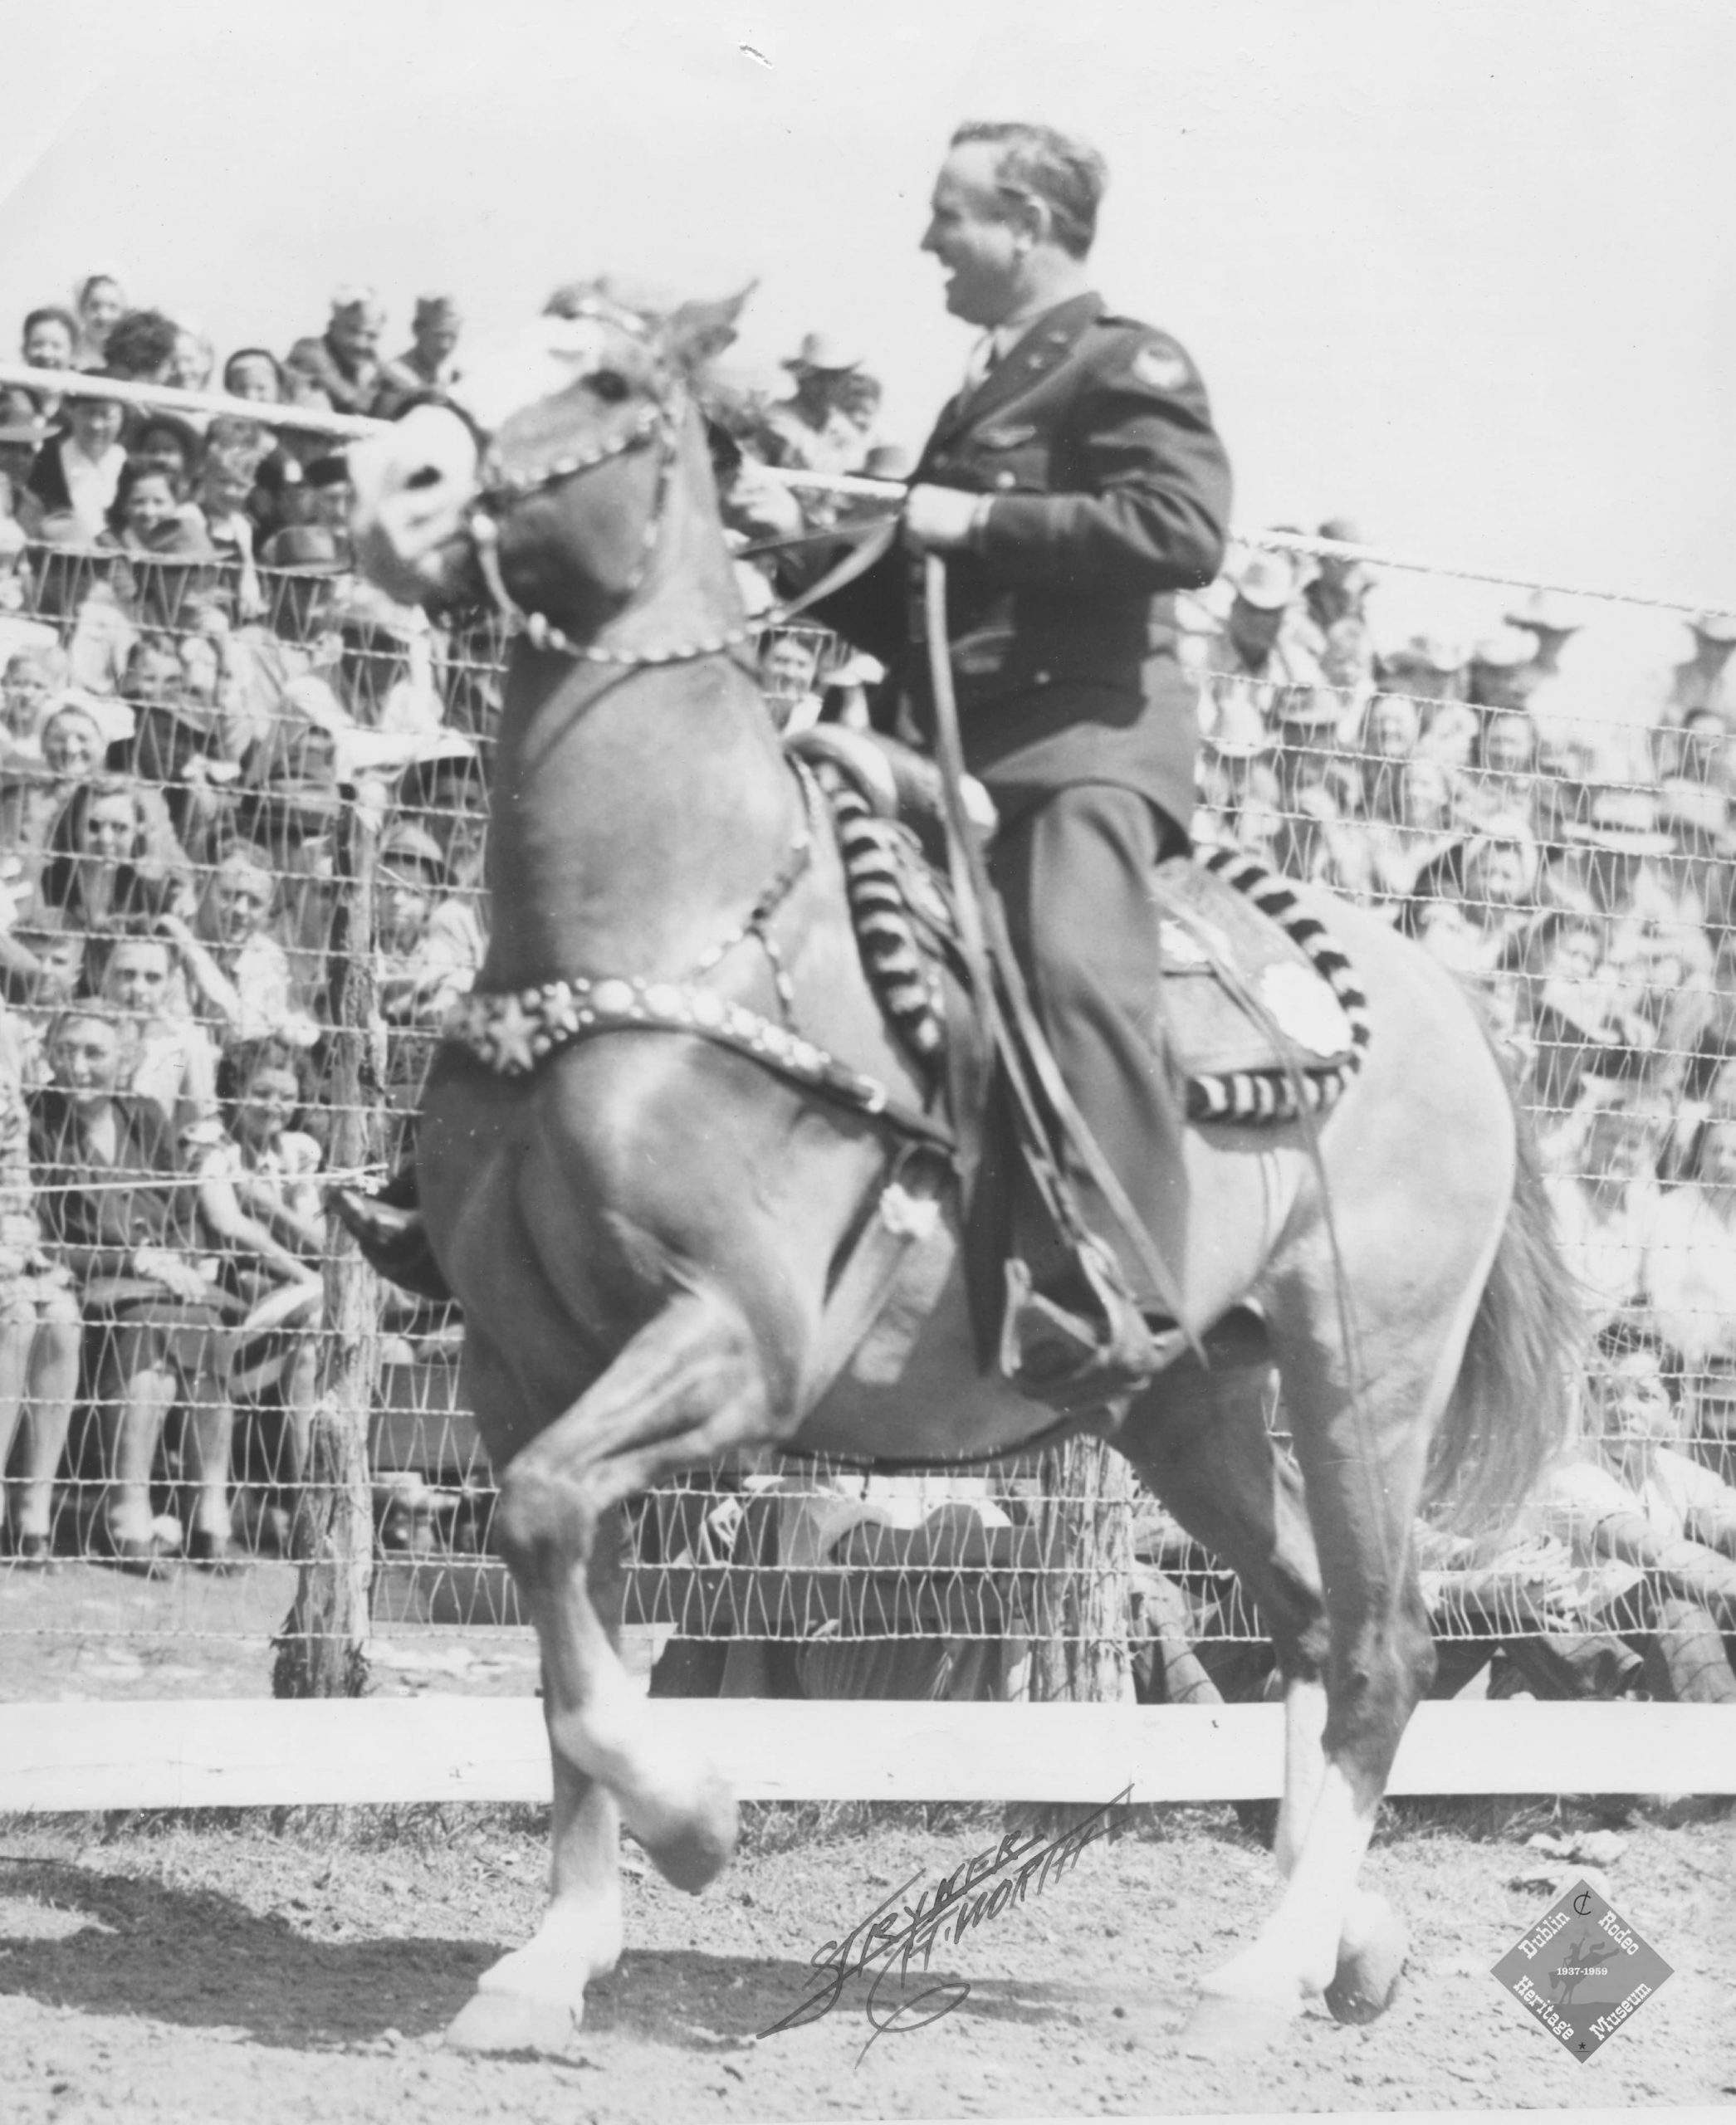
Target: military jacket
x,y
1110,491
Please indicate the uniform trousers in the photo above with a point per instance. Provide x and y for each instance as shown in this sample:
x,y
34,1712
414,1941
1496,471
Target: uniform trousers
x,y
1073,871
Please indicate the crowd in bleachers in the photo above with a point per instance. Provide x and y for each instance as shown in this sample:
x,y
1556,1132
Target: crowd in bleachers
x,y
197,690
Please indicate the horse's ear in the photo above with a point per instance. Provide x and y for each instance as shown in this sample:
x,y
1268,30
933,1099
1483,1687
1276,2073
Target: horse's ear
x,y
700,331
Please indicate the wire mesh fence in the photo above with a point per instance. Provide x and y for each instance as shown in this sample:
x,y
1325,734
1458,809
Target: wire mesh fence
x,y
192,750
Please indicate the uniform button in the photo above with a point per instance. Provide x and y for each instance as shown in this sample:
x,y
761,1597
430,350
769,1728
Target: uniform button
x,y
1003,480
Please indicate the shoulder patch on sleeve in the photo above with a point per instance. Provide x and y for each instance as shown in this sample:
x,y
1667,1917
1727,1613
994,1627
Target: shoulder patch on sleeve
x,y
1162,366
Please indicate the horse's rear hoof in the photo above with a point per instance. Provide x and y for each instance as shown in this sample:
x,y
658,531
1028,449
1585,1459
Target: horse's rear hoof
x,y
1222,2026
510,2021
1371,1961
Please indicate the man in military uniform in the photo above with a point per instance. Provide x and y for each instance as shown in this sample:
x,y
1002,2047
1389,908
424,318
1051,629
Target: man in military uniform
x,y
1073,485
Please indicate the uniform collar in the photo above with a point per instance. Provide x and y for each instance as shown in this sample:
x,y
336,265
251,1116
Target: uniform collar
x,y
1043,343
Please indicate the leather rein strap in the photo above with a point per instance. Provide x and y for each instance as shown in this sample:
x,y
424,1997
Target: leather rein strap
x,y
1001,993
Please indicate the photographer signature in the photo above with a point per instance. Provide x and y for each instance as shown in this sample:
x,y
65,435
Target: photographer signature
x,y
888,1938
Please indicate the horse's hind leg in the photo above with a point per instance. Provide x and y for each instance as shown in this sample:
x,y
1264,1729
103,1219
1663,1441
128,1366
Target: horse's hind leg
x,y
688,1384
1362,1456
1201,1441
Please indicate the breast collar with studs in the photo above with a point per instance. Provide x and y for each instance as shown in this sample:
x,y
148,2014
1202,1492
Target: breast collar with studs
x,y
659,424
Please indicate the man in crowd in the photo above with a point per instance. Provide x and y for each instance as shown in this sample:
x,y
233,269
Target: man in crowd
x,y
342,362
1073,486
429,363
1702,681
1257,652
812,429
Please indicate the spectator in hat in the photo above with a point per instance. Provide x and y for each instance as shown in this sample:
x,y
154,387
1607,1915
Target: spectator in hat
x,y
140,348
1561,702
99,302
75,474
1339,587
1702,681
1251,653
1500,669
428,364
812,430
330,495
1427,667
1610,861
342,362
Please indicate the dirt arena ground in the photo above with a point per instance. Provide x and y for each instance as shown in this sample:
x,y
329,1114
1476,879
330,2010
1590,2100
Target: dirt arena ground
x,y
301,1967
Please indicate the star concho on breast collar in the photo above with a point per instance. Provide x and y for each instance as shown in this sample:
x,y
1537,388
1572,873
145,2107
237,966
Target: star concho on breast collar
x,y
513,1031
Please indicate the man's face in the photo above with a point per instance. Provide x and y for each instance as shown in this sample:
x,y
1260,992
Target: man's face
x,y
332,505
48,344
968,230
787,669
86,1058
1507,745
435,341
136,978
153,678
355,332
96,424
150,504
240,899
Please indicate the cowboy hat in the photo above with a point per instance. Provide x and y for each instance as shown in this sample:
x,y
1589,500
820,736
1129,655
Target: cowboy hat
x,y
823,351
1424,652
1266,581
1505,650
1544,612
1714,627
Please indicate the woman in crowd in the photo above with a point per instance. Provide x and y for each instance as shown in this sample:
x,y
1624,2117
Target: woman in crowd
x,y
76,472
1606,1201
39,1332
193,358
51,341
108,858
168,1057
124,1213
28,690
100,303
272,1262
240,979
32,798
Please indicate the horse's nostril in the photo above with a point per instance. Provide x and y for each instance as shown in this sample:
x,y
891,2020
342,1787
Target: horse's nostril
x,y
428,476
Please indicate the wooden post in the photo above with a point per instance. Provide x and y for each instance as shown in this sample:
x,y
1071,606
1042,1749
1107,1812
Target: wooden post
x,y
1079,1644
322,1651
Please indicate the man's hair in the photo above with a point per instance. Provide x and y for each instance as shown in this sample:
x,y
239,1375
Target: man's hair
x,y
1066,175
141,343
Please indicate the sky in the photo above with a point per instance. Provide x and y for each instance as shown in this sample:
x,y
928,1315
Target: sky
x,y
1455,268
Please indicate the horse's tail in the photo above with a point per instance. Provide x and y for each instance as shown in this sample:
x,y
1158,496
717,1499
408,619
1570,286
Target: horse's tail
x,y
1511,1409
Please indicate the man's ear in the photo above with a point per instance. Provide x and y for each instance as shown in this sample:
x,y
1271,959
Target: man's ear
x,y
699,331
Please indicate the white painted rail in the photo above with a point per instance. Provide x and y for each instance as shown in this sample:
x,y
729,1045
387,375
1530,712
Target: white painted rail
x,y
242,1752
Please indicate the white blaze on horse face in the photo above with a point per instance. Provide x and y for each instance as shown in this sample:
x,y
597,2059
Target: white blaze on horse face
x,y
413,484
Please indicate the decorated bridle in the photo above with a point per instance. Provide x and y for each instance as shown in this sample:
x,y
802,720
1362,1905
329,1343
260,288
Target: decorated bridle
x,y
658,425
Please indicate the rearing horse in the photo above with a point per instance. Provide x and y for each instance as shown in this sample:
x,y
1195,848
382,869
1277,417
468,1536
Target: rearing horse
x,y
640,1198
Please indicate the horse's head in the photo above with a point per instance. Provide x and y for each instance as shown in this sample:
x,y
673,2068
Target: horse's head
x,y
551,489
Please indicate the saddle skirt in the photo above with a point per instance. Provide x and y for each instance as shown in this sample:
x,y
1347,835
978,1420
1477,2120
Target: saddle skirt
x,y
1259,1007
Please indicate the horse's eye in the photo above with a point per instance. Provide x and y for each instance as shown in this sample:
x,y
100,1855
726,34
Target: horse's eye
x,y
610,386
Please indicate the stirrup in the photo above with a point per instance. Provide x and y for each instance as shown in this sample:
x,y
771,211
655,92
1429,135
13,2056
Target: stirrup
x,y
1090,1347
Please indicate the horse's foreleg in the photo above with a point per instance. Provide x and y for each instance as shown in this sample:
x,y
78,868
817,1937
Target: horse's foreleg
x,y
688,1386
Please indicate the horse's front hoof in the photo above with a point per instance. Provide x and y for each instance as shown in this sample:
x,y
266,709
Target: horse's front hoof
x,y
691,1848
1225,2025
512,2022
1371,1953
